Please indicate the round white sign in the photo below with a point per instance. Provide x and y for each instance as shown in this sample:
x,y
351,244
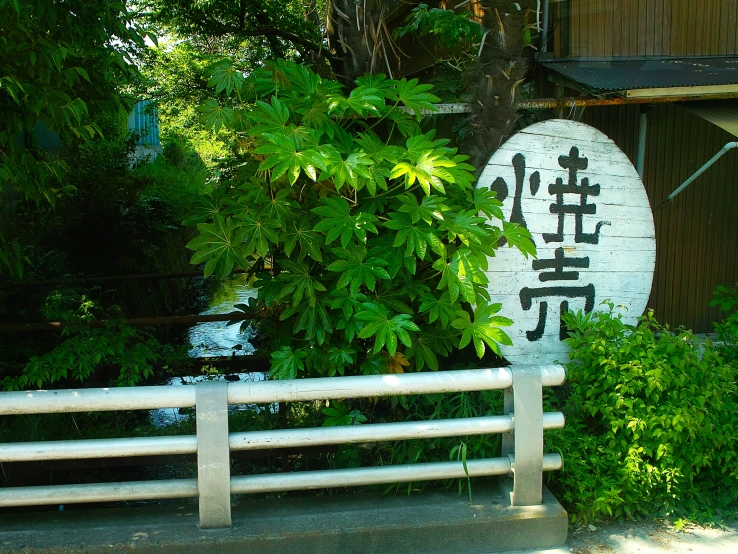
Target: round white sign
x,y
587,211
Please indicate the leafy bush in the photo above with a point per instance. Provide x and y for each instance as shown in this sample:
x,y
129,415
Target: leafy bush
x,y
178,177
369,245
85,349
727,330
427,407
651,422
452,30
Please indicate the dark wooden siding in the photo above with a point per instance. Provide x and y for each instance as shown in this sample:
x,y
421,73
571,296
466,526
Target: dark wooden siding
x,y
696,235
604,28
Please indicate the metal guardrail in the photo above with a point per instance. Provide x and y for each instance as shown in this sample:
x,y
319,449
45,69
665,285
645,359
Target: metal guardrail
x,y
521,426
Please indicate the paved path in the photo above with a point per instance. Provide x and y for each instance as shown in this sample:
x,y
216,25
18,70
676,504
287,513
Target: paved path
x,y
653,538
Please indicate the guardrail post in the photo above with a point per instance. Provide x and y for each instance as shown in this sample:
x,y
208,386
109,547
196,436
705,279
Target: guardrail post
x,y
524,446
213,455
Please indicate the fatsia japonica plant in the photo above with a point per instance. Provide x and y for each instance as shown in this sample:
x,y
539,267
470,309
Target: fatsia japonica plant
x,y
365,236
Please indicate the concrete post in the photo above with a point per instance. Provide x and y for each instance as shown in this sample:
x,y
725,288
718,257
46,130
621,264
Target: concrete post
x,y
213,455
524,446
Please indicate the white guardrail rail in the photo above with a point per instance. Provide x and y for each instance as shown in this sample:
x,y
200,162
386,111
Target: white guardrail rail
x,y
521,426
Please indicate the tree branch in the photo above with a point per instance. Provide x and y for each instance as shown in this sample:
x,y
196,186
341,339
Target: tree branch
x,y
281,33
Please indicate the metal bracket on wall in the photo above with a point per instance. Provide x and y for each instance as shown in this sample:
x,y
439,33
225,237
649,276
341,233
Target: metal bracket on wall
x,y
700,171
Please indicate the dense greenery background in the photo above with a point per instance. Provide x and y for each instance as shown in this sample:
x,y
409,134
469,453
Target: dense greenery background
x,y
298,161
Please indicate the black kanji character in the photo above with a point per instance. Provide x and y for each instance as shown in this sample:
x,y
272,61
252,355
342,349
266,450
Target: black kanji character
x,y
558,263
500,186
528,294
574,163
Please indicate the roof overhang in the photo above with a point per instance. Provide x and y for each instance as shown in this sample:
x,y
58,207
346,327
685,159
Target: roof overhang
x,y
647,77
723,114
680,91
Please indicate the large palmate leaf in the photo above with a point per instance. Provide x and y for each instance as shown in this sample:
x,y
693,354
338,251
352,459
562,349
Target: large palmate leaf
x,y
302,234
286,155
215,116
378,150
269,118
415,97
382,248
391,298
315,116
415,237
463,173
468,268
404,122
206,207
362,101
386,330
280,207
485,201
339,414
219,246
440,308
339,222
430,172
519,237
357,270
485,329
467,226
257,234
301,79
342,299
339,358
225,77
349,170
379,83
428,345
420,144
463,275
287,363
313,321
428,209
299,282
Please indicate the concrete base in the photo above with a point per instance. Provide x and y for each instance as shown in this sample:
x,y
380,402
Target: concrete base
x,y
427,523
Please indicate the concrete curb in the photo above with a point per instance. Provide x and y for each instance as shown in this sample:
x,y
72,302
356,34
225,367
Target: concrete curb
x,y
427,523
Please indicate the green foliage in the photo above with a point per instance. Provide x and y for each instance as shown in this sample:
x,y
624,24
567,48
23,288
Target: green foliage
x,y
340,414
651,422
442,449
452,30
116,216
375,241
175,76
87,349
727,330
11,257
178,177
254,31
59,63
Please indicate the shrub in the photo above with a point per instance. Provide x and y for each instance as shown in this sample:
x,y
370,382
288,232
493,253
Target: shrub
x,y
367,236
85,350
727,330
178,177
651,422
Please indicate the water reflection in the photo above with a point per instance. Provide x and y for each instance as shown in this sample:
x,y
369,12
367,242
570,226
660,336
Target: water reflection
x,y
171,416
217,338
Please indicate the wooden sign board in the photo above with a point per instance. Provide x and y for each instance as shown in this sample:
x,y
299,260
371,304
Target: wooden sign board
x,y
585,206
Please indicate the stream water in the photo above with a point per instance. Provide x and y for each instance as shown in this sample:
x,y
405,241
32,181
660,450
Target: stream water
x,y
217,339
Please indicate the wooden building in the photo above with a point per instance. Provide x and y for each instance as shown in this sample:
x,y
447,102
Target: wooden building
x,y
668,60
672,66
